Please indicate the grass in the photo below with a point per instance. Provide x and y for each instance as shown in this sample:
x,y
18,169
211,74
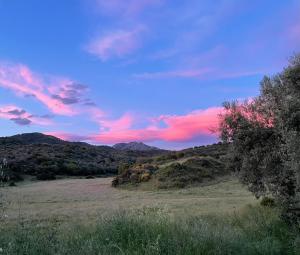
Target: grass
x,y
255,230
87,199
83,217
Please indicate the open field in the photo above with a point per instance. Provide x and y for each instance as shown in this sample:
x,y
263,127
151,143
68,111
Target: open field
x,y
70,199
79,216
88,216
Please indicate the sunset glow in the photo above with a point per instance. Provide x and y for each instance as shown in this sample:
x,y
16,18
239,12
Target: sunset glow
x,y
155,71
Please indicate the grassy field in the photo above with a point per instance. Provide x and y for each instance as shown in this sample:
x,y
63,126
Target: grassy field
x,y
83,217
88,198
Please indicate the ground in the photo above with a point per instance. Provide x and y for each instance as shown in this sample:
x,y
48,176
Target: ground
x,y
72,199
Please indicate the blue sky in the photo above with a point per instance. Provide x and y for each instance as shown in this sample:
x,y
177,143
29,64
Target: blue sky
x,y
155,71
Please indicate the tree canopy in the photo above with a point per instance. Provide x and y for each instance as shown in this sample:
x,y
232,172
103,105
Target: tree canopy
x,y
264,137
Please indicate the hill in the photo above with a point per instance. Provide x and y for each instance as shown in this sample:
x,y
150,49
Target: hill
x,y
134,146
30,138
177,169
45,156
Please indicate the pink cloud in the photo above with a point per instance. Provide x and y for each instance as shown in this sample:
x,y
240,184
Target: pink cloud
x,y
115,44
59,95
21,117
123,123
177,128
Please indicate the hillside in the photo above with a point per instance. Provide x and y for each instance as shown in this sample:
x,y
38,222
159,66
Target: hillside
x,y
45,156
134,146
30,138
177,169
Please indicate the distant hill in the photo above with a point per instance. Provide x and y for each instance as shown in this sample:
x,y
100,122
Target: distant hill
x,y
134,146
45,156
30,138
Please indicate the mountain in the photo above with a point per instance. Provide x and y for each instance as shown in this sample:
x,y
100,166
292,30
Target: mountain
x,y
134,146
39,155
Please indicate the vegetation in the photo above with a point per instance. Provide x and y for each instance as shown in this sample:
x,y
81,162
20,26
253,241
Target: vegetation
x,y
264,135
192,171
177,169
46,156
257,230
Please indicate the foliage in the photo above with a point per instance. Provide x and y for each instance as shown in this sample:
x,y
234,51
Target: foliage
x,y
173,174
267,201
264,135
134,174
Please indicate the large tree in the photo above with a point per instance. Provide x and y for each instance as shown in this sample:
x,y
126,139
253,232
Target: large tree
x,y
264,134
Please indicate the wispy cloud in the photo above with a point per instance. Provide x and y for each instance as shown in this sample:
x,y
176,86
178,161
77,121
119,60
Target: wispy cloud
x,y
192,73
117,43
200,73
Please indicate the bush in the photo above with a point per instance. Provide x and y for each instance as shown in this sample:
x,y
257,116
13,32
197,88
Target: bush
x,y
268,202
45,176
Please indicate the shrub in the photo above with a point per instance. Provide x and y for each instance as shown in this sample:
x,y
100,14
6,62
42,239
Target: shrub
x,y
45,176
268,202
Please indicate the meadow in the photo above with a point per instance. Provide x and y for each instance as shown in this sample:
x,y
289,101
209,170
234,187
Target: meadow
x,y
88,216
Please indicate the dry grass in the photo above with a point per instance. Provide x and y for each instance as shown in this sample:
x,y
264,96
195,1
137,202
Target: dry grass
x,y
73,199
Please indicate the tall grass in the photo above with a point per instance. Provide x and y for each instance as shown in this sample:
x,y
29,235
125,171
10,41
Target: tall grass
x,y
256,230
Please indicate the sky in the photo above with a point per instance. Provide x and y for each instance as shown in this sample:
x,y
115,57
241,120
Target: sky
x,y
154,71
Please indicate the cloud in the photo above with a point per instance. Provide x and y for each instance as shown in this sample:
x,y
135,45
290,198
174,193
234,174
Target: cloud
x,y
190,73
58,94
126,18
115,44
199,73
21,121
21,117
123,123
70,93
176,128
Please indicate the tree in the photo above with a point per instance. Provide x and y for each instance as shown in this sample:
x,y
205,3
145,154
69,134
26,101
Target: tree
x,y
264,137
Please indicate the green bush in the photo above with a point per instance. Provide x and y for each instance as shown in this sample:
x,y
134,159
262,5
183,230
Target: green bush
x,y
268,202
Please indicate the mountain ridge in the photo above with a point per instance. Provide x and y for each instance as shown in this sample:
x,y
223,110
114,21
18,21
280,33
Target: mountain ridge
x,y
135,146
